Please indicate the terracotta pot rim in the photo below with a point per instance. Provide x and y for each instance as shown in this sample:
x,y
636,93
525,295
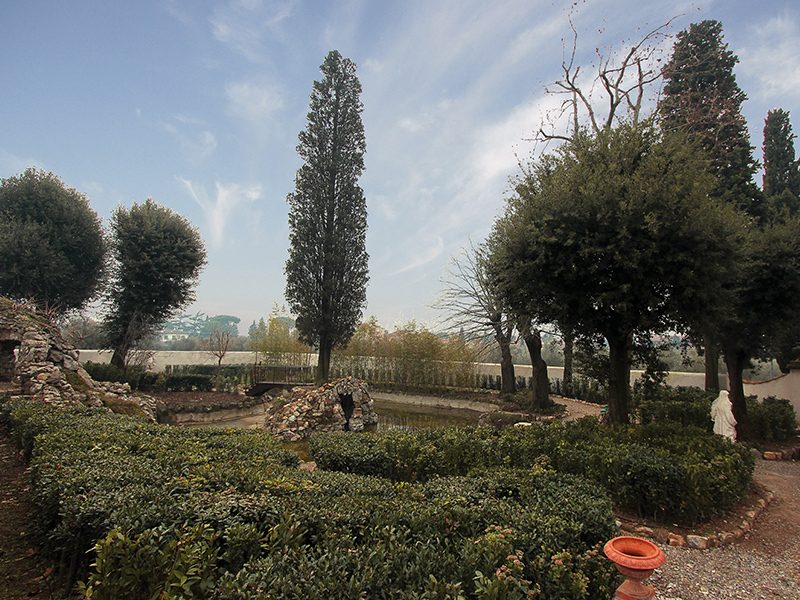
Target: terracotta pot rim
x,y
634,553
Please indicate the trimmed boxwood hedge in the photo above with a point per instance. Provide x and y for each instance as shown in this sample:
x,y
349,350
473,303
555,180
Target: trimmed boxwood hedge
x,y
137,510
771,419
662,470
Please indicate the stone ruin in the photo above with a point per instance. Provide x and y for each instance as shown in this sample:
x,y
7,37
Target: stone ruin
x,y
344,405
34,355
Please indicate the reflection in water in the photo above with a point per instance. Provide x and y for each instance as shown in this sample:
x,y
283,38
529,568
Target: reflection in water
x,y
391,415
406,417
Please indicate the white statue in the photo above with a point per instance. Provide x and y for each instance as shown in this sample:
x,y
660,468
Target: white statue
x,y
722,415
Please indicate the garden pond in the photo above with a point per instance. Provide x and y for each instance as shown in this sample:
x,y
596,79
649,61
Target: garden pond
x,y
391,415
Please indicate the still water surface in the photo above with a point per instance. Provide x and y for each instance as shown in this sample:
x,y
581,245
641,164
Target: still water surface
x,y
391,415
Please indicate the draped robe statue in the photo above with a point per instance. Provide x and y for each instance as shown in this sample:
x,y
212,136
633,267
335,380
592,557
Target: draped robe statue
x,y
722,415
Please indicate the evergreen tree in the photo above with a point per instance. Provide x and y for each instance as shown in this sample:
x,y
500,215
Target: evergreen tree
x,y
52,245
327,271
781,173
702,98
158,257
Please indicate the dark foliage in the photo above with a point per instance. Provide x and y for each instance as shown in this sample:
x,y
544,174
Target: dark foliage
x,y
52,247
327,271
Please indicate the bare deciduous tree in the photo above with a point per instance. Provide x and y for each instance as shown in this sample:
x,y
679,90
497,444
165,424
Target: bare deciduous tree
x,y
625,83
217,346
474,310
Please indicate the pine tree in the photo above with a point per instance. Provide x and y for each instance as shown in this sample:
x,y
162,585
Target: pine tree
x,y
327,270
701,97
781,173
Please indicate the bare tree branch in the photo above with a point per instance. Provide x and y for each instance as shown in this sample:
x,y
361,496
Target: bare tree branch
x,y
624,85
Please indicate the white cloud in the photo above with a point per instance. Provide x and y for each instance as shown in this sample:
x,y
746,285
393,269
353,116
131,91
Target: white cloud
x,y
11,165
421,253
218,211
196,142
247,25
773,59
253,102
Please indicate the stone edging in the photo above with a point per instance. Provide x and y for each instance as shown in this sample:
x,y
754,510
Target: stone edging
x,y
701,542
793,454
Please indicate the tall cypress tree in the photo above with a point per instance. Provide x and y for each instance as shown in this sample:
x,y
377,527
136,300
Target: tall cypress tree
x,y
327,269
781,173
701,97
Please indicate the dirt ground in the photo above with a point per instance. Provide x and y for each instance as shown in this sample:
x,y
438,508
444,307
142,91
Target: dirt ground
x,y
22,570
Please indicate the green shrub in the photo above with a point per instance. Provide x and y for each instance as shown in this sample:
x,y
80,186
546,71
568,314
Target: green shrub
x,y
157,563
684,405
104,371
188,383
170,512
665,470
581,388
771,420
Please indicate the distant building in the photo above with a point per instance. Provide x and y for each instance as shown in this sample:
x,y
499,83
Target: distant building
x,y
169,335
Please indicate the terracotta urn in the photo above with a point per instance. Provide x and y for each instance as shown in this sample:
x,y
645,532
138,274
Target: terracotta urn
x,y
636,559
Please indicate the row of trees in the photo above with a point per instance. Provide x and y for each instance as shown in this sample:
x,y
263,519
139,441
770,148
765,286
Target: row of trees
x,y
55,254
638,225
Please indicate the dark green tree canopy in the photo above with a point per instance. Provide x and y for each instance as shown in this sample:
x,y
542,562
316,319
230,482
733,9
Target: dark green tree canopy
x,y
327,268
52,246
702,98
781,170
616,236
623,217
158,257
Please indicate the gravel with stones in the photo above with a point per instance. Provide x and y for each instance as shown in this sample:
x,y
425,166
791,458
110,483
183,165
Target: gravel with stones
x,y
764,565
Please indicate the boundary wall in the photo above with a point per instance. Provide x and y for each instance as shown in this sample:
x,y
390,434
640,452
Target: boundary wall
x,y
785,386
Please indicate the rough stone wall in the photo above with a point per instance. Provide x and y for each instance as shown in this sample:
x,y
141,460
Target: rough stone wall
x,y
344,405
47,368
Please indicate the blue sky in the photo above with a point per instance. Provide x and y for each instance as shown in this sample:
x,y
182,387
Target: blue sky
x,y
198,103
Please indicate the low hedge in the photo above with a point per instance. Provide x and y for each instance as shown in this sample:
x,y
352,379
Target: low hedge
x,y
771,419
665,471
145,381
138,510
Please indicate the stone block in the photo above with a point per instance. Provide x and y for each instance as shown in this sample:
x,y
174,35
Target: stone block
x,y
745,526
697,541
676,540
726,537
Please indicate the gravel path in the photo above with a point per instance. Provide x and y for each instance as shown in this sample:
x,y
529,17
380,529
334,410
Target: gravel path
x,y
765,565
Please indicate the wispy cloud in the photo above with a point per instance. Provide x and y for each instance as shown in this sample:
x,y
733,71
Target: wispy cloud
x,y
255,102
11,164
422,253
218,210
196,142
248,25
773,60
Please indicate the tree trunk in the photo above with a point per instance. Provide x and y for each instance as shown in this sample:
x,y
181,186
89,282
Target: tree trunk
x,y
736,361
508,381
566,382
541,384
323,361
619,380
712,366
119,356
